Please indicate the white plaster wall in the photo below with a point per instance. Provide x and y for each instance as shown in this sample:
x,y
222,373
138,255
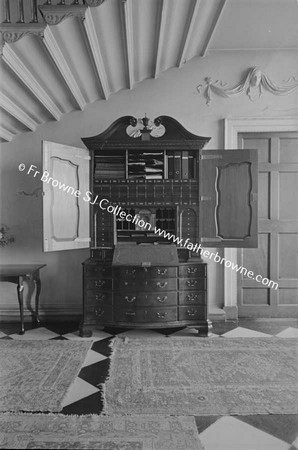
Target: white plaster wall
x,y
175,94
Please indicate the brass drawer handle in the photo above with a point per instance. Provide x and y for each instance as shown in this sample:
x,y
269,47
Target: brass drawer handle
x,y
162,299
192,270
192,297
191,313
130,313
100,283
192,283
130,300
161,315
162,272
99,312
161,285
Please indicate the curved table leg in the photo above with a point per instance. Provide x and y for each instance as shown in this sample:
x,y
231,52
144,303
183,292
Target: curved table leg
x,y
20,289
38,289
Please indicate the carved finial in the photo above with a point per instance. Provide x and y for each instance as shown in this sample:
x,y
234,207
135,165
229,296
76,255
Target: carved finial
x,y
145,121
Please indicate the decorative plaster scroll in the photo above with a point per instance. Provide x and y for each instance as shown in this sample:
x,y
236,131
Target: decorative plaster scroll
x,y
253,84
11,33
10,36
54,14
34,193
54,19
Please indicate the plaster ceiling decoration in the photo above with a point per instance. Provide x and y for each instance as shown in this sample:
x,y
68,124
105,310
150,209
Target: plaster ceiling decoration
x,y
61,55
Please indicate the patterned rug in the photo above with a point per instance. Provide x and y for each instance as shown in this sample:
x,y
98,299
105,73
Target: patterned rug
x,y
35,375
203,376
48,431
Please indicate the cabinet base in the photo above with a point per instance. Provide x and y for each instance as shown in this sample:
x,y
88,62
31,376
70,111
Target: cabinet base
x,y
204,330
203,327
85,332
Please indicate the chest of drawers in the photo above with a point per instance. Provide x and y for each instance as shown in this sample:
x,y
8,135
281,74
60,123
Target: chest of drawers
x,y
144,297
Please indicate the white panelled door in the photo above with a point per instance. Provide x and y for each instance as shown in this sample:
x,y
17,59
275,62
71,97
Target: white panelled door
x,y
276,257
65,183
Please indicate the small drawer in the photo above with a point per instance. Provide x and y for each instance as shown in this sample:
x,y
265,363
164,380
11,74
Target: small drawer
x,y
160,315
145,273
127,272
161,272
98,297
192,270
99,284
96,270
140,315
192,284
196,312
100,313
128,284
169,284
192,298
140,299
129,314
125,300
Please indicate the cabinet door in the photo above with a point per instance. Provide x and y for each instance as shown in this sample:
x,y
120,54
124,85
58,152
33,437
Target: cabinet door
x,y
65,183
228,198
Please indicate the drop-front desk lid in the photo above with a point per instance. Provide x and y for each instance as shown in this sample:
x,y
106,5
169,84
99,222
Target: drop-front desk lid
x,y
145,255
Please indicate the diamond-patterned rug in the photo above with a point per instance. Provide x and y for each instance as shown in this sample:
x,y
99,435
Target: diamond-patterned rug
x,y
203,376
56,431
35,375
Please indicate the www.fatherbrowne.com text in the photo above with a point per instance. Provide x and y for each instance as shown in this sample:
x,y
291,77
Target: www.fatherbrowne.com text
x,y
184,243
117,211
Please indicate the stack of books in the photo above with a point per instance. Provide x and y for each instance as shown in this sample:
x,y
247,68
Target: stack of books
x,y
109,167
146,165
180,164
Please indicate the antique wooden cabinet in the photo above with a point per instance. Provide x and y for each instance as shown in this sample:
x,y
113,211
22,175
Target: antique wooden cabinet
x,y
156,198
156,192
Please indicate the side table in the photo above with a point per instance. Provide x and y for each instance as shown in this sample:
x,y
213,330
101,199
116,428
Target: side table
x,y
16,273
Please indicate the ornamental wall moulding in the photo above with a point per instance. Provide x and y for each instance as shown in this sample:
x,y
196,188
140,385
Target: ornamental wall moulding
x,y
93,3
54,14
253,84
11,33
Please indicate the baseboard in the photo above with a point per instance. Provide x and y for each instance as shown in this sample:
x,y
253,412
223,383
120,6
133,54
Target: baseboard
x,y
231,312
216,314
49,315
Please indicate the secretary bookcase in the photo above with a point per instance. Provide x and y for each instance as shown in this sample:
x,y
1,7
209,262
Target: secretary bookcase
x,y
155,194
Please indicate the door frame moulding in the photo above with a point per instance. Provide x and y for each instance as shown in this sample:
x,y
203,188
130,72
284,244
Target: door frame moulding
x,y
232,128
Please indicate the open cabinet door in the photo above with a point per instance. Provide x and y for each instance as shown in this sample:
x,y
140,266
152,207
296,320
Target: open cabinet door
x,y
228,198
65,183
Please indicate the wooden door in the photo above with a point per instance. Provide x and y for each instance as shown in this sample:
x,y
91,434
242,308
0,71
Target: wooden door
x,y
276,258
228,198
65,203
